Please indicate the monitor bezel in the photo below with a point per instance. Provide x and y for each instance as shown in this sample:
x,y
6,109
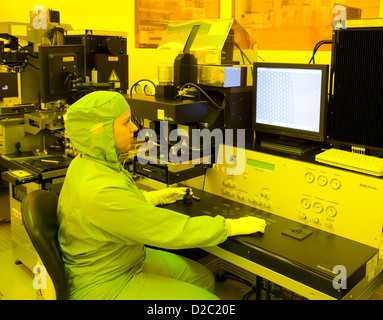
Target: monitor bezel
x,y
52,87
291,132
11,79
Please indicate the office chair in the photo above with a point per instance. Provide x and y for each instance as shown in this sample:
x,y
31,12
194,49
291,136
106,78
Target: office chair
x,y
39,214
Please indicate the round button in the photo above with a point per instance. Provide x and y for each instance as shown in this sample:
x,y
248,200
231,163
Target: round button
x,y
315,220
335,184
241,196
328,224
318,207
305,203
331,211
263,193
309,177
302,216
266,204
322,181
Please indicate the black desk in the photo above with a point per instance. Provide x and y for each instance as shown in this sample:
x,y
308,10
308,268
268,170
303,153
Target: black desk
x,y
50,174
309,261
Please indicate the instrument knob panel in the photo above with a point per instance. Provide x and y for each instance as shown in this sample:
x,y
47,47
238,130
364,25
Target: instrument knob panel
x,y
320,196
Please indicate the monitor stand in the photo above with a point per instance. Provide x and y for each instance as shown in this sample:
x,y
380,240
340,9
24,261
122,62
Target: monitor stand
x,y
289,145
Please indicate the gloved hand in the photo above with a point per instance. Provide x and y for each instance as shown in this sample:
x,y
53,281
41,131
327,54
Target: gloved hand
x,y
245,225
164,196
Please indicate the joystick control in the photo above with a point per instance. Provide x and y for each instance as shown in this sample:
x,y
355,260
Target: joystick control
x,y
187,197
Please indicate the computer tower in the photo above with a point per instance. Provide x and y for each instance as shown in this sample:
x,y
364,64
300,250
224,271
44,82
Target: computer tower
x,y
356,90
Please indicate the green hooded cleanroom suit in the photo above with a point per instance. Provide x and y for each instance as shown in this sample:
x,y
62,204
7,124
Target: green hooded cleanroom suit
x,y
105,221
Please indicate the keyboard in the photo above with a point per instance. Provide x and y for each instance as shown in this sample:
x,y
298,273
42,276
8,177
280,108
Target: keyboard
x,y
352,161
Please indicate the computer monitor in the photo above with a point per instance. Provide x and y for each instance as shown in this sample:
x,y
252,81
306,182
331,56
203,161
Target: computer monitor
x,y
290,100
60,65
8,85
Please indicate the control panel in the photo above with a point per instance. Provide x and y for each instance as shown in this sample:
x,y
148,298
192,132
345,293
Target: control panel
x,y
338,201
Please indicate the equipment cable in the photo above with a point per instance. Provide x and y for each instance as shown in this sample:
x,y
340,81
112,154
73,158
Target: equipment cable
x,y
317,47
206,95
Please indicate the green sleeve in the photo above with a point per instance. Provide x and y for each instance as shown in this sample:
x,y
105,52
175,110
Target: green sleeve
x,y
127,217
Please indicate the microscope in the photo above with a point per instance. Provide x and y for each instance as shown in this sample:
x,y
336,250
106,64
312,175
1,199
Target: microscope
x,y
55,66
202,91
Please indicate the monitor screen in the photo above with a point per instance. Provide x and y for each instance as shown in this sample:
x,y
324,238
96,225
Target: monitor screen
x,y
8,85
290,99
59,66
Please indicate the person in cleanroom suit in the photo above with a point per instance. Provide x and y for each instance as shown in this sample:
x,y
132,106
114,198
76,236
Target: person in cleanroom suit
x,y
106,221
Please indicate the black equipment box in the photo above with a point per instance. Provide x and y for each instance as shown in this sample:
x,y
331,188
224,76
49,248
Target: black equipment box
x,y
173,111
267,290
310,260
356,97
105,51
162,173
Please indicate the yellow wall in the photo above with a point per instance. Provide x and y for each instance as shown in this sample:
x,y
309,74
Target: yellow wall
x,y
94,14
118,15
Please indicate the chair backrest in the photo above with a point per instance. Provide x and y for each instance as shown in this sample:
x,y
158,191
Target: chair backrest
x,y
39,212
